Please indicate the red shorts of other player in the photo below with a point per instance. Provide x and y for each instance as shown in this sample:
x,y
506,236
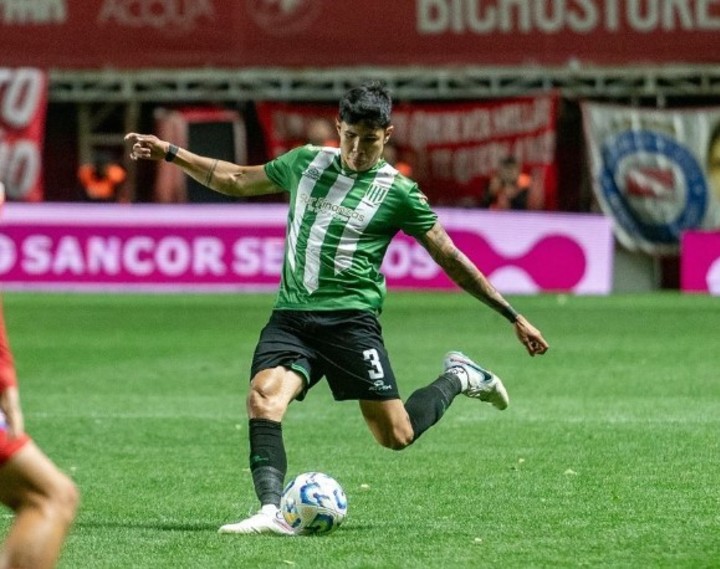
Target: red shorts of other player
x,y
8,446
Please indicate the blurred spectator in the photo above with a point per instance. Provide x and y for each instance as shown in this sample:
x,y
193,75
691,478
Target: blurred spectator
x,y
321,132
390,154
509,188
103,180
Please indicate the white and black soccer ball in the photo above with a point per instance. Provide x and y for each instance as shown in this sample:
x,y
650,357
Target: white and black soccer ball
x,y
314,503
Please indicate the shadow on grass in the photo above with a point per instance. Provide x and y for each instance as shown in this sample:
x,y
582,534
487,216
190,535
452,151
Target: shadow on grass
x,y
157,526
191,526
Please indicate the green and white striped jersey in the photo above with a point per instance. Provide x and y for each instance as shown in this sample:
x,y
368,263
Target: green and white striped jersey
x,y
340,224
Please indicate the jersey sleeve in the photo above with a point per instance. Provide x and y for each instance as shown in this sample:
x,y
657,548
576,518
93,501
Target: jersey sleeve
x,y
282,170
7,365
418,218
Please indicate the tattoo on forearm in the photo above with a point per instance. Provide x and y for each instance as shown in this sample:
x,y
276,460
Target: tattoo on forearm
x,y
462,270
208,179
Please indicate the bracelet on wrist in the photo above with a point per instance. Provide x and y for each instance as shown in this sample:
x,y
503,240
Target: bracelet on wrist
x,y
509,313
171,153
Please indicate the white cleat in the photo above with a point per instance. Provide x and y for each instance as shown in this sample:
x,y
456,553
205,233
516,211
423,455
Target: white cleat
x,y
267,520
477,382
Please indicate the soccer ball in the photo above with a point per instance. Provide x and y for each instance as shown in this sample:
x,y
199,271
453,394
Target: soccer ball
x,y
313,503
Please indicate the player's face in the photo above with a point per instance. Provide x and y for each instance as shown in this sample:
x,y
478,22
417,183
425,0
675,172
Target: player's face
x,y
361,146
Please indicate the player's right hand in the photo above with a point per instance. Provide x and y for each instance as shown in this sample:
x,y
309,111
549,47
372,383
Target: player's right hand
x,y
146,146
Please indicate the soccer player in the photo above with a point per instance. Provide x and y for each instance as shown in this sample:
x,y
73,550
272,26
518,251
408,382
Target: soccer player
x,y
346,204
43,498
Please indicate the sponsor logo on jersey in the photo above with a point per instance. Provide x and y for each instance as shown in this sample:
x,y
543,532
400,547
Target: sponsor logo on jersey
x,y
320,204
654,185
380,386
312,173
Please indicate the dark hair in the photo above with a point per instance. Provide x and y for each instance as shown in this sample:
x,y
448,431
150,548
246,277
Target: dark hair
x,y
368,104
509,160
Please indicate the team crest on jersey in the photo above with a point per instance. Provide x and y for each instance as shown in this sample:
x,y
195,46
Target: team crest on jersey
x,y
376,194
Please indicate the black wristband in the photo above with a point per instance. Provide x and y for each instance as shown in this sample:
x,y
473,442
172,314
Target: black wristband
x,y
509,313
171,153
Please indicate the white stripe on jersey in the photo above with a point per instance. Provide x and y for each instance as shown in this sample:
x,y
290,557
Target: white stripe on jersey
x,y
351,235
320,162
338,192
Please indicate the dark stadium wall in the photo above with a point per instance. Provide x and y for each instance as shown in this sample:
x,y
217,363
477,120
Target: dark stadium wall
x,y
60,153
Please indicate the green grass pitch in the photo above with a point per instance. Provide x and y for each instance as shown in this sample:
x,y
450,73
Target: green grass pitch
x,y
609,455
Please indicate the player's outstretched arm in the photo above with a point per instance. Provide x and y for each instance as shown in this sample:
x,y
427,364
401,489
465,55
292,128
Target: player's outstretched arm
x,y
219,175
468,277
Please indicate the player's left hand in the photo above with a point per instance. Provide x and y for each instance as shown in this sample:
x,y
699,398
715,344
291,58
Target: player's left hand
x,y
10,406
530,337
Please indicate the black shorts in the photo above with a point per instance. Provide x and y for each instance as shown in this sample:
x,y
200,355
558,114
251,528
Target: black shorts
x,y
344,346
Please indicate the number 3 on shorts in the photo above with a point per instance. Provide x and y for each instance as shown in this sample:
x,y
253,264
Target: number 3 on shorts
x,y
373,358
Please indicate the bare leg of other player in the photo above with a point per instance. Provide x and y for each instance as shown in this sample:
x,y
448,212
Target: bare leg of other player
x,y
44,501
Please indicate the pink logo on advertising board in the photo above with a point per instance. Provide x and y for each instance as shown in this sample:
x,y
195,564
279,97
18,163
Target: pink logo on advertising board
x,y
700,262
554,262
521,253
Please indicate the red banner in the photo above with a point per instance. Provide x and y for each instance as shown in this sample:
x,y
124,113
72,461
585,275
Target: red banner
x,y
452,148
23,106
324,33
